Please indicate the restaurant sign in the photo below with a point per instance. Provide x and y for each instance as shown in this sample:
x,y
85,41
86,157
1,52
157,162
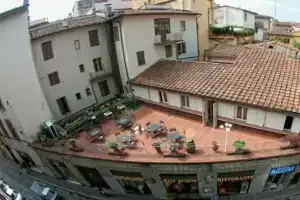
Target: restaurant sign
x,y
169,181
283,170
129,178
235,176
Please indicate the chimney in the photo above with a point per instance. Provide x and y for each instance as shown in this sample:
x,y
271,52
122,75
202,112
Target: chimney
x,y
25,2
108,10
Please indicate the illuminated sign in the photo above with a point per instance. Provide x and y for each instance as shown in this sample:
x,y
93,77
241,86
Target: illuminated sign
x,y
129,178
283,170
169,181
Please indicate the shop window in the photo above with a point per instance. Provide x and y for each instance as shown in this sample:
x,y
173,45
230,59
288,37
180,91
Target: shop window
x,y
234,183
295,179
278,176
27,160
181,184
133,183
61,169
93,177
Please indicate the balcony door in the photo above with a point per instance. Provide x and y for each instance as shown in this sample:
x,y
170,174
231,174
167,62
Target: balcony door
x,y
162,27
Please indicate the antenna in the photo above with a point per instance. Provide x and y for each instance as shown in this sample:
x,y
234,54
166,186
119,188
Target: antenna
x,y
275,8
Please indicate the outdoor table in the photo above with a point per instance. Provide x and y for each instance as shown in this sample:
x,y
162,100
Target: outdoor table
x,y
121,107
124,139
154,128
124,121
174,135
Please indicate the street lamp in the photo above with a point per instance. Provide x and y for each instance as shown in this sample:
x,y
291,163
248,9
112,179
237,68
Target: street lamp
x,y
227,128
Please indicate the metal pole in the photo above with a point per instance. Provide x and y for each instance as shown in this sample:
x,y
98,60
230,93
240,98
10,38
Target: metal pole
x,y
226,139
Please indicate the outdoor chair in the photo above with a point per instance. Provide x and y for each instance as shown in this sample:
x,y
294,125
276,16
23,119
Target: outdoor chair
x,y
172,129
148,123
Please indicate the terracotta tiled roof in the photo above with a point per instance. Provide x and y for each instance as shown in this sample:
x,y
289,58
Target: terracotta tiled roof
x,y
57,26
225,50
259,77
288,46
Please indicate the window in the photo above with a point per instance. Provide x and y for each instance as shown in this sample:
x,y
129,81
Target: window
x,y
245,16
94,39
279,176
47,50
295,179
181,48
288,123
162,27
286,40
61,169
3,129
88,92
78,96
97,64
63,105
93,177
132,182
26,159
140,58
1,105
116,33
163,97
180,184
168,49
185,101
81,68
11,128
182,26
77,44
241,113
104,89
53,78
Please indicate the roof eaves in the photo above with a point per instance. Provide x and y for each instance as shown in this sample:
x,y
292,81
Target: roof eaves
x,y
13,11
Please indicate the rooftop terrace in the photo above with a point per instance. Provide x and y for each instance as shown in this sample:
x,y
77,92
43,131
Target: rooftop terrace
x,y
261,144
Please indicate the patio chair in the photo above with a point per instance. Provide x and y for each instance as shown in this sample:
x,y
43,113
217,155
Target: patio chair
x,y
161,122
117,134
172,129
148,123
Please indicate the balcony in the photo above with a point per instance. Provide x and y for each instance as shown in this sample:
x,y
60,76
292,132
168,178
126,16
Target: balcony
x,y
230,31
168,39
99,74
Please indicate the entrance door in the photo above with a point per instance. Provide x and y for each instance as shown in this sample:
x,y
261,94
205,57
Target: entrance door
x,y
210,112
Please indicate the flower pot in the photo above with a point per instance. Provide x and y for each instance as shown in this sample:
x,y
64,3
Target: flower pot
x,y
190,147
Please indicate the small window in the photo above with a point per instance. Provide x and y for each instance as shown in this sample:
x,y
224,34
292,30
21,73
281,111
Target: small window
x,y
81,68
78,96
140,58
63,105
94,39
53,78
163,97
47,50
181,48
88,92
241,113
182,26
168,49
116,33
288,123
104,89
12,129
245,16
97,64
1,105
77,44
185,101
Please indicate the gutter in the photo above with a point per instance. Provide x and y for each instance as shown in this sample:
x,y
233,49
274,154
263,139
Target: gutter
x,y
121,38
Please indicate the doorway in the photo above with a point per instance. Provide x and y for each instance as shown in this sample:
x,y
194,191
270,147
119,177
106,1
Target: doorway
x,y
210,112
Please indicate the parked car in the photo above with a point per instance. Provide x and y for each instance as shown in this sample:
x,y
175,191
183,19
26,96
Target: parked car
x,y
12,194
44,192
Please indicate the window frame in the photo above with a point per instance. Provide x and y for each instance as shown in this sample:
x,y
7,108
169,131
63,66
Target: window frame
x,y
181,48
182,25
245,16
88,92
162,27
104,89
286,120
141,60
163,97
98,64
169,54
54,78
185,101
66,108
47,50
94,38
78,96
81,68
243,115
77,44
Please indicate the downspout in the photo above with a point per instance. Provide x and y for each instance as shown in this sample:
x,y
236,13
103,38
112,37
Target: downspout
x,y
197,32
121,38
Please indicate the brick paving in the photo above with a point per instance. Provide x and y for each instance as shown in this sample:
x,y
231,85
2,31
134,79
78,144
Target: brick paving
x,y
262,144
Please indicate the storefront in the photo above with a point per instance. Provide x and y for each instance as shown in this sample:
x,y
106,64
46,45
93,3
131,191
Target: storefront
x,y
181,184
133,183
234,183
280,177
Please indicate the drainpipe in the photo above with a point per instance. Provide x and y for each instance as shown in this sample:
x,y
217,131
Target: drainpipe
x,y
121,38
197,30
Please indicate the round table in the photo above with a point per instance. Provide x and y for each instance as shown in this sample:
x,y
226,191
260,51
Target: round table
x,y
154,127
124,121
174,135
124,138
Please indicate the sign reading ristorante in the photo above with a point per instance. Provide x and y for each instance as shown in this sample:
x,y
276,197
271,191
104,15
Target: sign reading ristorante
x,y
235,176
129,178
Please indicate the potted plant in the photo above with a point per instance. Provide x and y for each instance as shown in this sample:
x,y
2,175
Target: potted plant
x,y
190,146
174,147
157,146
215,146
113,145
239,148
